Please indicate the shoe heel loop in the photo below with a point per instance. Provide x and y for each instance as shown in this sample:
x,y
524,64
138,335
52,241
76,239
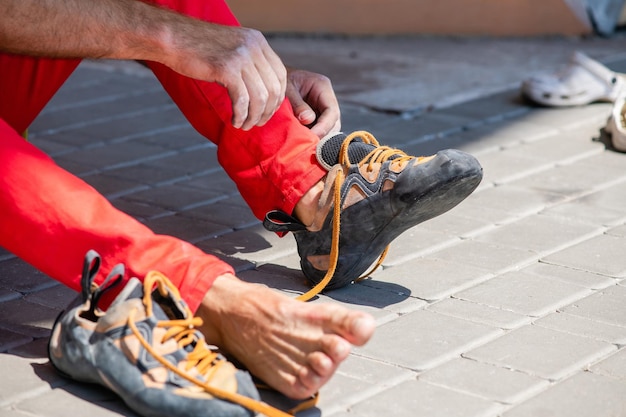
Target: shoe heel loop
x,y
280,222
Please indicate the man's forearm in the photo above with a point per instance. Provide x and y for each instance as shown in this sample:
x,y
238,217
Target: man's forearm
x,y
118,29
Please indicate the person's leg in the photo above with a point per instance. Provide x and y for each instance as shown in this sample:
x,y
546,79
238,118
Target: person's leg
x,y
50,219
273,165
27,84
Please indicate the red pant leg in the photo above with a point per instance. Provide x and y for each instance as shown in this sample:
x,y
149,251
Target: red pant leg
x,y
272,165
27,84
50,219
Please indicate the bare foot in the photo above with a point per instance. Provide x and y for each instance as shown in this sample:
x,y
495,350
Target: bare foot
x,y
292,346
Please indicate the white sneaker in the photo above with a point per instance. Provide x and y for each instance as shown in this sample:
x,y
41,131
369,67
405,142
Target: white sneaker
x,y
616,125
581,82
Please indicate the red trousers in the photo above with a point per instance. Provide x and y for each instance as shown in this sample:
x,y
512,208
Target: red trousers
x,y
50,218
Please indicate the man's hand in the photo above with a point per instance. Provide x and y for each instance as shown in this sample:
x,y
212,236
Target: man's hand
x,y
238,58
313,101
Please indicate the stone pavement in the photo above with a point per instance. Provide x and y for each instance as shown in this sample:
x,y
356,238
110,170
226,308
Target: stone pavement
x,y
513,304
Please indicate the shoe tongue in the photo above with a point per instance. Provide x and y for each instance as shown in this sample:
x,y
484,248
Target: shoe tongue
x,y
329,147
163,307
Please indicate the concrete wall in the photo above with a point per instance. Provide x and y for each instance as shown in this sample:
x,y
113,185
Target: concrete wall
x,y
440,17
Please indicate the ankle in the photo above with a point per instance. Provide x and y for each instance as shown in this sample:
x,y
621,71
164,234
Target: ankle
x,y
308,205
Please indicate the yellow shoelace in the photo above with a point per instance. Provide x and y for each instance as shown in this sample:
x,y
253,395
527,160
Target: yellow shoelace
x,y
205,360
376,156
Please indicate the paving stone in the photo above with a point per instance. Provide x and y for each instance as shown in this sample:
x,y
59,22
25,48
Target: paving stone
x,y
562,354
192,230
10,340
356,379
417,398
179,136
37,348
507,202
584,394
486,381
382,295
550,147
492,258
493,107
524,293
57,297
29,377
189,162
107,106
585,327
8,295
140,211
112,187
602,254
19,276
571,180
570,117
541,234
113,155
508,165
81,399
428,339
581,209
144,174
432,278
479,313
30,319
573,276
254,244
614,366
174,197
404,131
234,216
491,137
617,231
606,306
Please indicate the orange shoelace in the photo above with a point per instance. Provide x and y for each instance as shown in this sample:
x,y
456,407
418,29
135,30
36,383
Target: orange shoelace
x,y
205,360
376,156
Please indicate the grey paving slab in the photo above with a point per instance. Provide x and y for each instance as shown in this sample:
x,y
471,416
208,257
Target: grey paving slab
x,y
23,278
508,202
585,327
493,258
574,276
602,254
486,381
480,313
357,379
584,394
431,278
30,377
31,319
541,234
428,339
420,398
57,297
562,354
614,366
90,400
605,306
523,293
